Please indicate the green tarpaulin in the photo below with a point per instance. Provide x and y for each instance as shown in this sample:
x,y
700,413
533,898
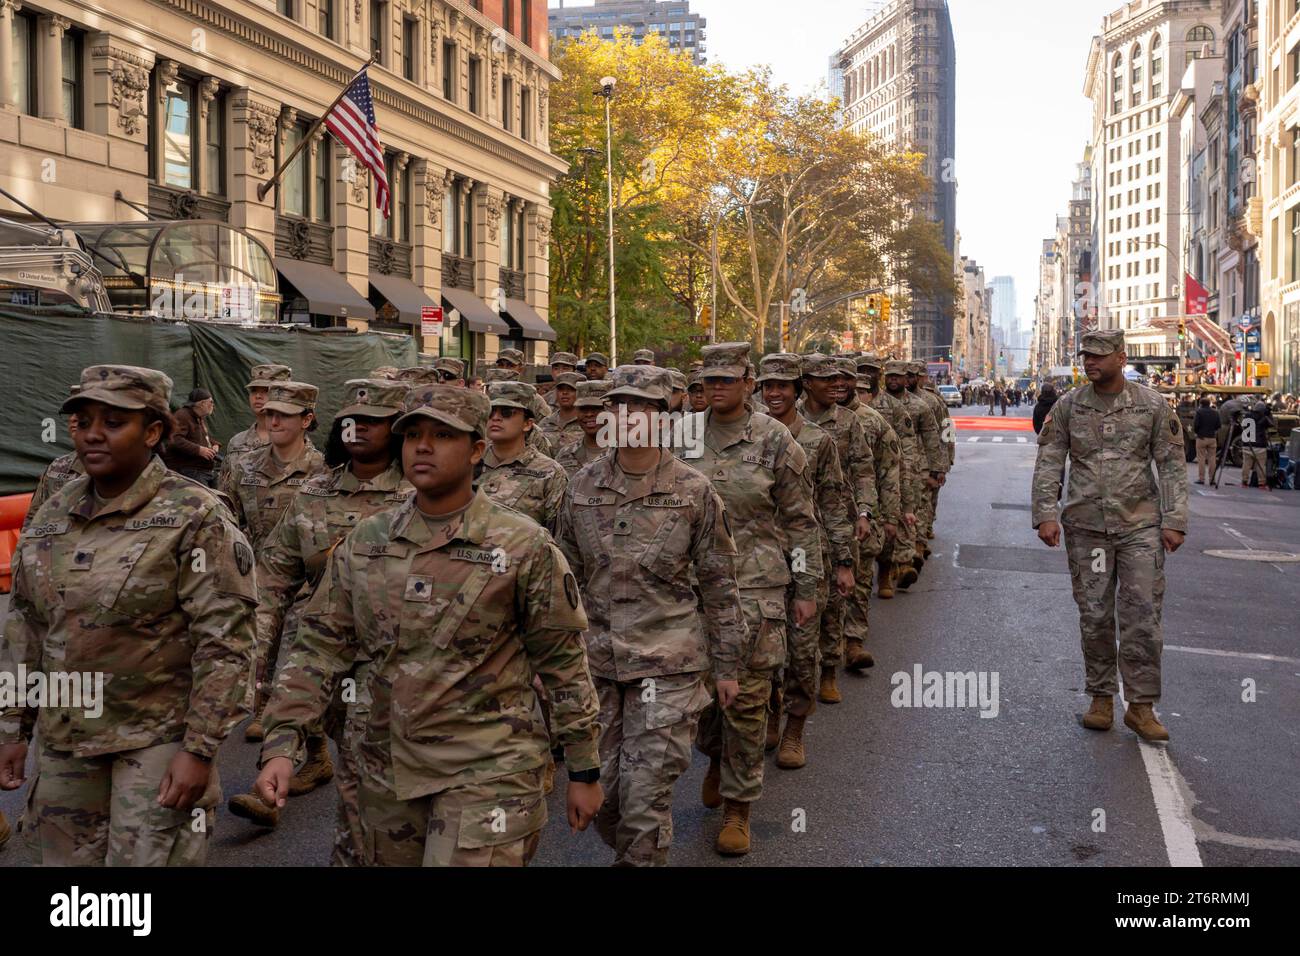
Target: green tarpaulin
x,y
44,350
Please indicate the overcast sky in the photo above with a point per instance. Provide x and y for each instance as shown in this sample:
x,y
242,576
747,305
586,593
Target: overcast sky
x,y
1022,120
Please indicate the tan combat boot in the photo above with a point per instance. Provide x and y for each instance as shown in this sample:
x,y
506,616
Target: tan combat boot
x,y
905,575
734,838
1101,715
251,808
711,791
1141,719
773,730
5,831
317,770
886,588
857,657
829,692
792,756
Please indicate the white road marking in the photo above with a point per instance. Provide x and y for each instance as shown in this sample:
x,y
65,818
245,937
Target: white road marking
x,y
1245,543
997,438
1022,441
976,438
1215,652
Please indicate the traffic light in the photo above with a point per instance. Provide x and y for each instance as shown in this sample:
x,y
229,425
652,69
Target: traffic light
x,y
1182,331
873,307
706,316
885,303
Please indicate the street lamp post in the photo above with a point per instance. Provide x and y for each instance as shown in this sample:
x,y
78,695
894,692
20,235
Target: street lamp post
x,y
607,91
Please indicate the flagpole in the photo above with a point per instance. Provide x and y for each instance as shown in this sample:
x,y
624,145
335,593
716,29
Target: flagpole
x,y
263,189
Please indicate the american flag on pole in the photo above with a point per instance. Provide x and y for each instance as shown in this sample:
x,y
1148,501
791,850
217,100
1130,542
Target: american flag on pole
x,y
353,121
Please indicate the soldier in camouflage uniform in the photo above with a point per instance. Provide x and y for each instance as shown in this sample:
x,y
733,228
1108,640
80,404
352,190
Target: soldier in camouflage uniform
x,y
781,378
897,553
820,405
640,528
254,436
885,455
1119,521
918,383
514,359
57,473
511,473
261,487
561,427
453,602
451,371
677,402
325,509
695,399
562,363
927,457
414,375
597,367
590,403
936,452
385,372
536,437
759,471
138,576
643,357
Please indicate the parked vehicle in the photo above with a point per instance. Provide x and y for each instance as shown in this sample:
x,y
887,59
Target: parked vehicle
x,y
951,394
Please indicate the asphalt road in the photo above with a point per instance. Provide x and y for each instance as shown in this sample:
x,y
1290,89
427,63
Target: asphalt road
x,y
1029,786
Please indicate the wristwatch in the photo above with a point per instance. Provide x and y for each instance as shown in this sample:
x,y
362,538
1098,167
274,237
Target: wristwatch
x,y
844,564
865,514
585,776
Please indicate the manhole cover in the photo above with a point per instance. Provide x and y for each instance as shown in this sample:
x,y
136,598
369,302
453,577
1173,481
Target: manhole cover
x,y
1267,557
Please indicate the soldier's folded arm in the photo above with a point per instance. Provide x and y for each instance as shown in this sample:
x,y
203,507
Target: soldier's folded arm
x,y
1171,466
713,553
219,597
556,486
889,496
323,649
24,643
1049,469
796,517
553,621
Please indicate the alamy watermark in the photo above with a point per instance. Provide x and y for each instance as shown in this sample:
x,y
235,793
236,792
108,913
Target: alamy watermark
x,y
74,690
947,689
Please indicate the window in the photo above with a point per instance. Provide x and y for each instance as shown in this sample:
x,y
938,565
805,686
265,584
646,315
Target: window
x,y
398,224
1117,85
507,103
526,28
475,68
1157,67
449,72
285,7
458,220
450,219
508,15
410,46
214,148
467,223
525,112
293,187
325,18
378,22
73,84
1293,273
322,178
1196,37
23,67
178,135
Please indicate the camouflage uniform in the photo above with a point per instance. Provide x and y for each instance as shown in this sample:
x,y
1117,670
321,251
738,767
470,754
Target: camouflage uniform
x,y
536,404
936,459
913,467
414,375
860,475
1112,518
291,562
575,455
121,591
452,617
561,433
761,478
531,483
264,376
832,501
643,357
947,441
633,543
57,473
450,366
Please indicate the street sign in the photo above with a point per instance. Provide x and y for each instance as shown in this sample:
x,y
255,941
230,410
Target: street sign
x,y
1252,342
1261,369
848,341
431,322
1238,341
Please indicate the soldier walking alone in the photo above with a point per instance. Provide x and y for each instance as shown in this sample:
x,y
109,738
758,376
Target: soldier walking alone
x,y
1119,521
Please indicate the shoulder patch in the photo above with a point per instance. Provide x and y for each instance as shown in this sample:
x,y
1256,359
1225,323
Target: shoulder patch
x,y
571,590
1173,426
243,558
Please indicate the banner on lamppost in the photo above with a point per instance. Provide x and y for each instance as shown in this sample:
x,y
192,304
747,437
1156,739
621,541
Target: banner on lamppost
x,y
1196,299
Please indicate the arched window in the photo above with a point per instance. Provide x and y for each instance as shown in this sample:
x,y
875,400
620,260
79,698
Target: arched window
x,y
1117,84
1157,67
1135,62
1196,37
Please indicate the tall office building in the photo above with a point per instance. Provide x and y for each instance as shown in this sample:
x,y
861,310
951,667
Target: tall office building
x,y
1004,307
900,86
683,30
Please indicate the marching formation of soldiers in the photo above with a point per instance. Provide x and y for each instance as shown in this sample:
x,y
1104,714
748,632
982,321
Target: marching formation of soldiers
x,y
465,590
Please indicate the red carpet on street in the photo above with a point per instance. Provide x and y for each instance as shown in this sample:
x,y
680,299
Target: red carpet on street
x,y
992,423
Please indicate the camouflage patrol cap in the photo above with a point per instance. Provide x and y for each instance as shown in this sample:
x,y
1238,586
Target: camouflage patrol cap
x,y
845,365
123,386
568,380
643,357
642,381
500,375
864,383
816,365
915,368
418,375
780,367
464,409
693,380
598,359
895,367
869,361
725,359
1102,343
592,394
513,356
679,380
291,398
511,395
373,397
264,376
452,366
388,372
564,358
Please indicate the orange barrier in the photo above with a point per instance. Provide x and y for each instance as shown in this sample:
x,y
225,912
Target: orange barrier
x,y
13,509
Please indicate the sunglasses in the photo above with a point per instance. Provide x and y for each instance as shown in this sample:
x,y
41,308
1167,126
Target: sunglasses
x,y
724,380
447,376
